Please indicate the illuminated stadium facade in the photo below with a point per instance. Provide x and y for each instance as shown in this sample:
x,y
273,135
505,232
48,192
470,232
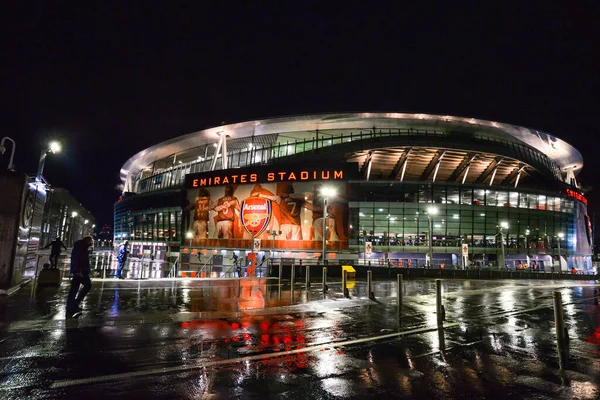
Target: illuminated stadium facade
x,y
414,189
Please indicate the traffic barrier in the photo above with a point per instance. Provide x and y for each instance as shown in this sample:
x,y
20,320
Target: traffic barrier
x,y
351,272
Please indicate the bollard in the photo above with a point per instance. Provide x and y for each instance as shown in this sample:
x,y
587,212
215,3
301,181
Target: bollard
x,y
308,276
399,294
562,335
293,272
280,270
370,285
345,283
559,321
325,279
438,302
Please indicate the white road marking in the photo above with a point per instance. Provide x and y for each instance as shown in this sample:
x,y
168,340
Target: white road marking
x,y
257,357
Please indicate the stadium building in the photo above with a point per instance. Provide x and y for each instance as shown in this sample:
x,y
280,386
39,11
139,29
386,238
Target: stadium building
x,y
402,189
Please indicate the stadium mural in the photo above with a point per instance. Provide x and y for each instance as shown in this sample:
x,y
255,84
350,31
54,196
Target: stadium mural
x,y
282,207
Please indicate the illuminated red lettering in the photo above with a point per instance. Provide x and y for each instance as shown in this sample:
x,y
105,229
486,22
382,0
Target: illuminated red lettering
x,y
292,177
304,175
243,178
225,181
338,174
324,174
281,175
253,178
270,177
234,178
203,182
195,183
217,180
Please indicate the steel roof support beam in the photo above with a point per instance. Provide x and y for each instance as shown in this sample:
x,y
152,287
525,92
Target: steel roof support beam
x,y
437,167
518,177
403,171
365,170
494,175
224,152
401,164
213,164
433,164
514,174
464,165
489,170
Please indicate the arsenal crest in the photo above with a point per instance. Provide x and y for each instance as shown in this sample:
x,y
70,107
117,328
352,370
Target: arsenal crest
x,y
256,215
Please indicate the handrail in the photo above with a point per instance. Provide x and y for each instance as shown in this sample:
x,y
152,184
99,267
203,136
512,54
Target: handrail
x,y
210,259
173,271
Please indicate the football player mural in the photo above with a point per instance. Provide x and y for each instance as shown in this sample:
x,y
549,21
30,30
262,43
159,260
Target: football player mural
x,y
232,215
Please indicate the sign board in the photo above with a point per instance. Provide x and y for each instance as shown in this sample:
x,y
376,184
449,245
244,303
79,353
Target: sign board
x,y
368,249
577,196
256,246
217,259
273,174
465,250
255,215
231,216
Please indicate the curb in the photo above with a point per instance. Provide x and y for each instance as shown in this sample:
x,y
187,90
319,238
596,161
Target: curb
x,y
14,289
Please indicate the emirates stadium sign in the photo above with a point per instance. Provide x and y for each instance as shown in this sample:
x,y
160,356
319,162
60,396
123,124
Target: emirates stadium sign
x,y
273,174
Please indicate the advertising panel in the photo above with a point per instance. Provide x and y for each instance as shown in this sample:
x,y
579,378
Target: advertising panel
x,y
280,206
583,234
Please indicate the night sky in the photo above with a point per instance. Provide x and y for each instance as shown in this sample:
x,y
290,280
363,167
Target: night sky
x,y
110,78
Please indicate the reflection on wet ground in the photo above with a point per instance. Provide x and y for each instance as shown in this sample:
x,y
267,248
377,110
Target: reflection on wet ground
x,y
255,338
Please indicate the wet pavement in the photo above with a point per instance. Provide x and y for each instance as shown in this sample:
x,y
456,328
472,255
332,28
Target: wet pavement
x,y
254,338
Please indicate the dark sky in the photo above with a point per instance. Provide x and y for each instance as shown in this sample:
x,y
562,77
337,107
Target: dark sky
x,y
110,78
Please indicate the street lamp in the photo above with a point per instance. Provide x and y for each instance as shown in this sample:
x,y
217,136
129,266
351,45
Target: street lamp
x,y
273,233
432,210
11,167
503,225
72,226
53,147
561,235
190,235
326,192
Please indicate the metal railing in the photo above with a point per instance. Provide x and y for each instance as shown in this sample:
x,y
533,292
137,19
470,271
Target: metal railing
x,y
175,176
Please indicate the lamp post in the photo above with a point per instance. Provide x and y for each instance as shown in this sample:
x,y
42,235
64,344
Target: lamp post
x,y
190,235
528,258
431,211
11,167
326,192
503,225
560,235
72,227
273,233
54,147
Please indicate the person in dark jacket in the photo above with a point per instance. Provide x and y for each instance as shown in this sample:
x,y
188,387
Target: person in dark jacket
x,y
56,249
122,258
80,269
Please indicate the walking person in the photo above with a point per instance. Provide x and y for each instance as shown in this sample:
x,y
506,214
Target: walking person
x,y
80,268
122,258
56,248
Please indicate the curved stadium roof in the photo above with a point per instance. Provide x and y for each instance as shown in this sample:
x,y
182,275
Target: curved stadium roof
x,y
561,152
